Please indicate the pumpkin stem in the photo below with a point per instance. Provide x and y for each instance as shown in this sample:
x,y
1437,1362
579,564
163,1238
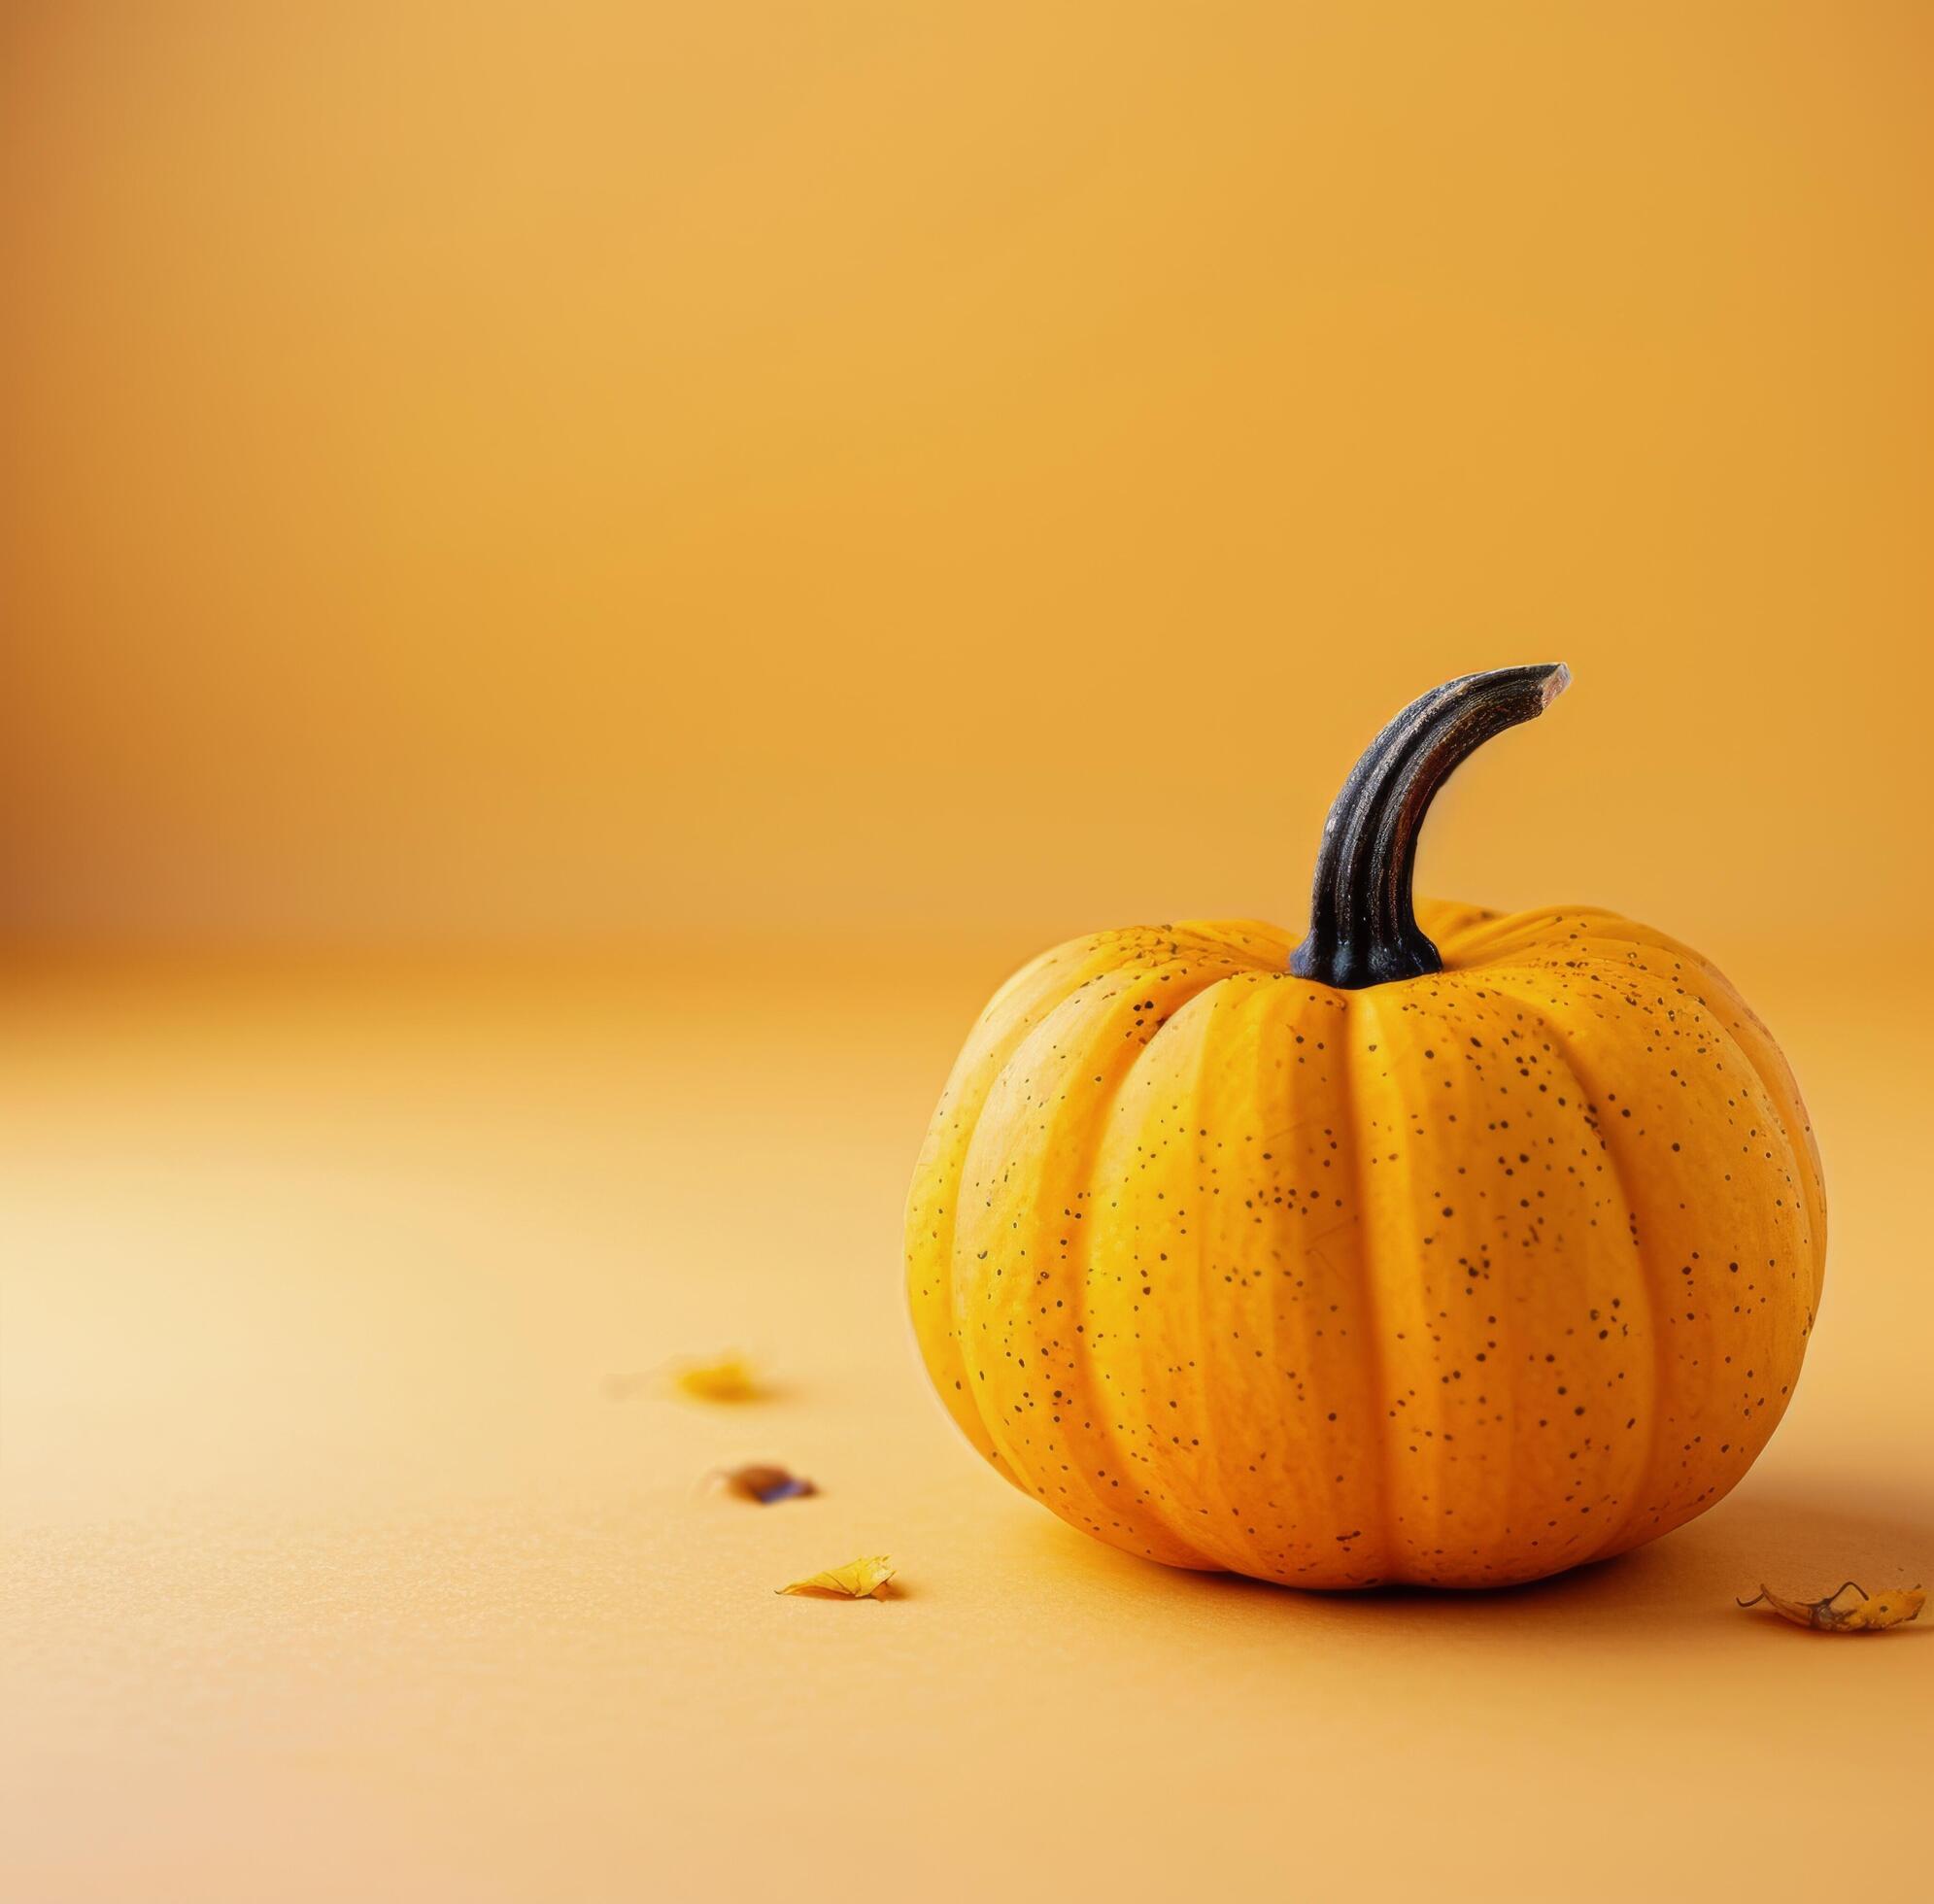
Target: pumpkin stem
x,y
1363,927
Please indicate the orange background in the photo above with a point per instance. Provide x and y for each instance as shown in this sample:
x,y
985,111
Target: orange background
x,y
577,584
485,474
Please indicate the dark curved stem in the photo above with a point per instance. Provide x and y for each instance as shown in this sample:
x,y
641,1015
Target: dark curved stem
x,y
1363,929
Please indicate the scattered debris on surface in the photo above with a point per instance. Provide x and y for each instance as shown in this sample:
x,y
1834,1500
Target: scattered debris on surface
x,y
728,1378
1864,1613
858,1579
765,1484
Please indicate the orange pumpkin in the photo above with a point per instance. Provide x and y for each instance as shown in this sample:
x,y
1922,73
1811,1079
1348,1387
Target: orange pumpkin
x,y
1443,1246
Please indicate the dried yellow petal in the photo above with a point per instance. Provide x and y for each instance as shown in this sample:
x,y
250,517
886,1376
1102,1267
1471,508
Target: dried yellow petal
x,y
858,1579
766,1484
1893,1608
727,1378
1865,1613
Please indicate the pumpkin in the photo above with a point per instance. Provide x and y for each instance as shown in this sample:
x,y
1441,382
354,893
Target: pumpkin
x,y
1441,1246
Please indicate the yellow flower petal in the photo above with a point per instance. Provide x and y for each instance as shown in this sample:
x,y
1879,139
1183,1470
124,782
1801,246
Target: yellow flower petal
x,y
859,1580
1865,1613
727,1378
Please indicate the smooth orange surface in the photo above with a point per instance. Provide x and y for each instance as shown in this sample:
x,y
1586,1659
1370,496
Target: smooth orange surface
x,y
334,1566
622,470
680,544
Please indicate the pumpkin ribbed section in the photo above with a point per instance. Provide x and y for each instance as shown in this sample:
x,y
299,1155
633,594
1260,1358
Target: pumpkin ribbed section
x,y
1461,1279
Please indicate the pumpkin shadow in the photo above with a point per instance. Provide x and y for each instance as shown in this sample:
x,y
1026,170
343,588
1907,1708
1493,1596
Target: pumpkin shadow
x,y
1801,1539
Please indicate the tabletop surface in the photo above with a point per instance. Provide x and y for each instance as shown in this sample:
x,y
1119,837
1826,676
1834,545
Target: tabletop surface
x,y
355,1546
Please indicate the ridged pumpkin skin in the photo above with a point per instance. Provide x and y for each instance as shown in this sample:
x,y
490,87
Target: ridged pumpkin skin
x,y
1462,1280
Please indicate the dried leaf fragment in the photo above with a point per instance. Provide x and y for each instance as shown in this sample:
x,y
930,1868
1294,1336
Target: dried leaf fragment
x,y
1865,1613
727,1378
859,1580
767,1484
